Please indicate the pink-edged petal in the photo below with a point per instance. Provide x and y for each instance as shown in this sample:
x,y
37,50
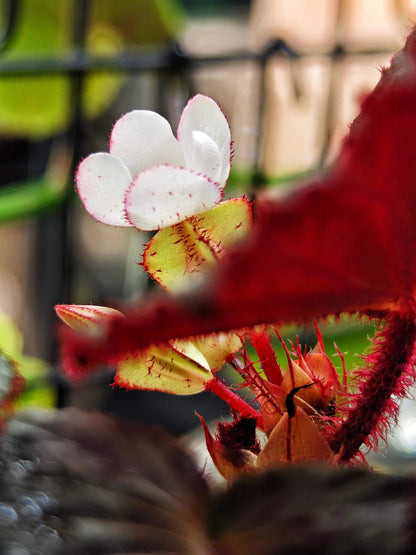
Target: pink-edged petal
x,y
102,182
143,139
205,156
203,114
165,195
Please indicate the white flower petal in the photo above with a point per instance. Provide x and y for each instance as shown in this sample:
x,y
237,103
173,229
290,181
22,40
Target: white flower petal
x,y
203,114
143,139
102,182
206,156
163,196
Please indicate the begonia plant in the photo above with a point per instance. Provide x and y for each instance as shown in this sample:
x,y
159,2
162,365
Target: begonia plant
x,y
344,242
142,182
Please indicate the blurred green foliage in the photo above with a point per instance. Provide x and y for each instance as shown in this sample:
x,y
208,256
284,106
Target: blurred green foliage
x,y
39,106
141,22
30,198
38,391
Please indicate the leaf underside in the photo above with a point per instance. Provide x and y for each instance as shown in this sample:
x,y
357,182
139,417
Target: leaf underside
x,y
78,483
165,369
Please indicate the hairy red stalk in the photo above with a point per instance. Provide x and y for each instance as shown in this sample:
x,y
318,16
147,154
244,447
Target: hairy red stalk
x,y
389,372
233,400
267,356
344,369
319,337
254,381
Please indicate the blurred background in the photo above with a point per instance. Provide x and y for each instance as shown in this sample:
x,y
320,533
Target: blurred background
x,y
289,76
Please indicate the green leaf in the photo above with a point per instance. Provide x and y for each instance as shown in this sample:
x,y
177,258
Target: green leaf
x,y
38,107
34,371
180,370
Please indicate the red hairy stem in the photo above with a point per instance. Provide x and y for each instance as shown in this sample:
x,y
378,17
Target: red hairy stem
x,y
267,356
389,372
233,400
344,369
254,381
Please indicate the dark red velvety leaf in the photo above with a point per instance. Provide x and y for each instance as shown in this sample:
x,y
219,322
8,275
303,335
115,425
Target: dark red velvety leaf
x,y
86,484
312,511
78,483
345,241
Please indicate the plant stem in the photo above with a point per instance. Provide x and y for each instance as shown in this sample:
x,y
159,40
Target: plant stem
x,y
233,400
267,356
389,372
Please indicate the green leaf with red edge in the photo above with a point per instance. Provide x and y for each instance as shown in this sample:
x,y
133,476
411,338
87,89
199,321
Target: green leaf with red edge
x,y
180,369
346,241
177,255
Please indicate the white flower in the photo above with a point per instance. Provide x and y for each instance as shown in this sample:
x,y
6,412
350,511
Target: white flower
x,y
150,179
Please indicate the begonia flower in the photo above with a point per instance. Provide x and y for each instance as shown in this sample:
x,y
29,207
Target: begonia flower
x,y
152,180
